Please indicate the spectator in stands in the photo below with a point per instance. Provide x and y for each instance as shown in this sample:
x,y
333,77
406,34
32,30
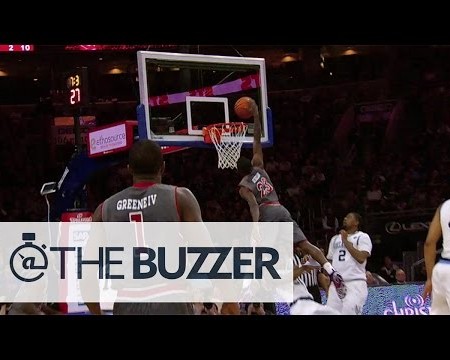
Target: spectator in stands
x,y
210,309
32,309
199,309
256,309
373,279
370,279
374,196
269,309
271,165
388,270
318,182
285,166
400,277
330,222
318,177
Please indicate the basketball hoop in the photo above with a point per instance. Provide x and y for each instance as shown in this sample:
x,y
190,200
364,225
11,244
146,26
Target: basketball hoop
x,y
227,139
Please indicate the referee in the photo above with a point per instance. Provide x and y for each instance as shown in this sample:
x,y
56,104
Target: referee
x,y
310,273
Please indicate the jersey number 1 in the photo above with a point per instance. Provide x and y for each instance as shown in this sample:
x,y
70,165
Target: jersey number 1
x,y
137,217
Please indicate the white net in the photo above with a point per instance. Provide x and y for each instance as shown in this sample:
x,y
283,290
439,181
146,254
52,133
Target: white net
x,y
228,139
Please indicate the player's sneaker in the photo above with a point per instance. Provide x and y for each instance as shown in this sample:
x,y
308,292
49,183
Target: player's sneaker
x,y
339,284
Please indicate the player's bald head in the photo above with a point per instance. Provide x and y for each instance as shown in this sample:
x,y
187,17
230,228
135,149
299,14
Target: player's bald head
x,y
146,158
244,165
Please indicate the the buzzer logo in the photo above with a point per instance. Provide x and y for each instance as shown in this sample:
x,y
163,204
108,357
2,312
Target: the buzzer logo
x,y
154,262
28,259
412,305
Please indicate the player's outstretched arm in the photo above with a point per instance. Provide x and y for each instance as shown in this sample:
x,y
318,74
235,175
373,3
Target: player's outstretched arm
x,y
257,159
318,255
434,234
188,206
251,200
314,251
297,271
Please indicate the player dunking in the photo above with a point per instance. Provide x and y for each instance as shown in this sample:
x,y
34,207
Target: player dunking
x,y
348,253
171,204
257,189
438,275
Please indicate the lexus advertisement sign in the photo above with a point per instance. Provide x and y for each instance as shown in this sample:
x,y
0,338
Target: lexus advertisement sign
x,y
397,232
399,227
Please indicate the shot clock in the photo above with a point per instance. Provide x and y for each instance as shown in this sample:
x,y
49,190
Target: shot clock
x,y
77,87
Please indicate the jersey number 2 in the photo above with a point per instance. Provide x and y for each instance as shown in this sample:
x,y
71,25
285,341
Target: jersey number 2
x,y
342,255
137,217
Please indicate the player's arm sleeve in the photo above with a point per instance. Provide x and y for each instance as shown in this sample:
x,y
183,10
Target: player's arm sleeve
x,y
364,244
246,194
331,249
98,214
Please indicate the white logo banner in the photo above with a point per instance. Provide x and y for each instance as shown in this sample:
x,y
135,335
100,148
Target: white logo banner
x,y
146,262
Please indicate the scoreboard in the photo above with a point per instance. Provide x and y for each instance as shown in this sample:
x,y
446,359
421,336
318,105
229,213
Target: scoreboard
x,y
16,48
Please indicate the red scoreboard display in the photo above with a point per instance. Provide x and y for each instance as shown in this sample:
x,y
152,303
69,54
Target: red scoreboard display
x,y
16,48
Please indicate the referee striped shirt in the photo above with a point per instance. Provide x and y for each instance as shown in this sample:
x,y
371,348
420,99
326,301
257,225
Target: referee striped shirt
x,y
309,277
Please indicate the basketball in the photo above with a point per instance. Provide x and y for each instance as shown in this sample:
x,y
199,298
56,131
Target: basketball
x,y
242,107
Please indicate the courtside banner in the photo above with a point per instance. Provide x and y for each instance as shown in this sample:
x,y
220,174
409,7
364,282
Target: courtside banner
x,y
146,262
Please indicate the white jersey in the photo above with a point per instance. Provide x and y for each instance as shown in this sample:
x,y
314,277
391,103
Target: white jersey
x,y
300,289
445,225
343,261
